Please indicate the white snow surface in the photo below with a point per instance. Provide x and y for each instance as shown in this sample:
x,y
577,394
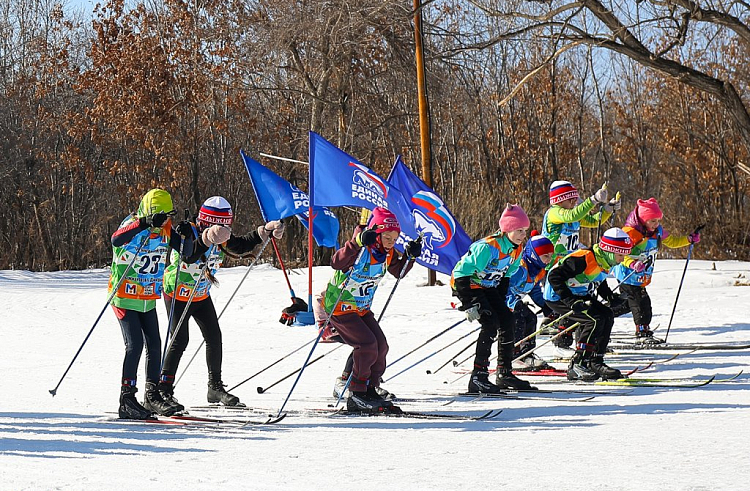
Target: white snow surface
x,y
640,439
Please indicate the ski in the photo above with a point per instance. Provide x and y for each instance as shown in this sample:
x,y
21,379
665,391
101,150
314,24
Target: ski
x,y
676,346
493,413
678,384
146,421
689,379
529,397
241,422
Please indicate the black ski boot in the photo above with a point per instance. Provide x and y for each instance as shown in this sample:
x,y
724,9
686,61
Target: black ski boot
x,y
644,335
365,402
129,406
598,366
480,384
506,380
166,390
217,393
579,369
153,401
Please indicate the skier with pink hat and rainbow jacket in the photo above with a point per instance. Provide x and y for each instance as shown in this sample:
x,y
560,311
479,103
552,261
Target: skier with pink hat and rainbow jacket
x,y
642,225
480,280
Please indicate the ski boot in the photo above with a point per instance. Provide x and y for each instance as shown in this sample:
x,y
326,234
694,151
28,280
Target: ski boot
x,y
338,388
217,393
480,383
530,363
506,380
606,372
129,406
365,402
644,335
579,369
166,390
548,328
153,401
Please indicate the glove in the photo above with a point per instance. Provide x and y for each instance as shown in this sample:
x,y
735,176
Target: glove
x,y
613,205
184,228
275,228
216,234
580,306
156,220
287,319
600,196
638,266
694,237
367,237
414,249
472,313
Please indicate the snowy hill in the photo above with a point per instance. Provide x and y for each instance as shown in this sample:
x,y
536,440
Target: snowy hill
x,y
644,438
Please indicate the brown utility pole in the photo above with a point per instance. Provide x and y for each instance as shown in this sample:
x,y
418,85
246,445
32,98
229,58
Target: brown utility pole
x,y
424,112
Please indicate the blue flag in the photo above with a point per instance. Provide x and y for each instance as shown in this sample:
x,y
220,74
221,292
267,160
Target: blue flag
x,y
338,179
444,241
278,199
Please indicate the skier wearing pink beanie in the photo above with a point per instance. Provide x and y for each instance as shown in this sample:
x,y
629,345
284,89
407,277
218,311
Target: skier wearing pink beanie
x,y
635,272
480,280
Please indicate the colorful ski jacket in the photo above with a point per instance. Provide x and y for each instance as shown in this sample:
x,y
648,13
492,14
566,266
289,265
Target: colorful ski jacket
x,y
646,245
488,261
357,277
191,265
581,273
142,283
562,226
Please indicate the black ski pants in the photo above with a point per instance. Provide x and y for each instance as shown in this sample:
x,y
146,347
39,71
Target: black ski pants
x,y
495,318
595,324
638,302
137,328
204,314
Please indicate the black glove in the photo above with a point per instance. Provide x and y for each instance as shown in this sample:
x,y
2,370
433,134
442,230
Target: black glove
x,y
156,220
414,248
287,319
185,229
580,306
367,237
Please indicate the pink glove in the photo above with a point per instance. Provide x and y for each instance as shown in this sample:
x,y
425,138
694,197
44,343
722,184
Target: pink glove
x,y
638,266
275,227
694,238
216,234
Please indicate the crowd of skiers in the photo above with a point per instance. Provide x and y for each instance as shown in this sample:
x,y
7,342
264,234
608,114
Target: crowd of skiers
x,y
565,279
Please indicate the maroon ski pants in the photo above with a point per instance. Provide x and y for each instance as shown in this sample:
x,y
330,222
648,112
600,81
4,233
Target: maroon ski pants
x,y
363,333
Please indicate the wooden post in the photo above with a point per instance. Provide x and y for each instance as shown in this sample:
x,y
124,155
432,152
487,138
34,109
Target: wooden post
x,y
424,115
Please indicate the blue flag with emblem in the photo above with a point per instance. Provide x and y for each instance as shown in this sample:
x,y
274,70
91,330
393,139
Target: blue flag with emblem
x,y
278,199
443,239
338,179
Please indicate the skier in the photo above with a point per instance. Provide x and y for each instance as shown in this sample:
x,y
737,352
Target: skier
x,y
527,280
562,224
147,233
213,240
351,317
642,225
571,286
480,280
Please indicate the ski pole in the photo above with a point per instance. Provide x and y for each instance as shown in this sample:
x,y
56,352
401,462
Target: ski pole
x,y
435,353
176,286
453,358
109,299
269,366
231,297
426,342
263,390
674,307
552,323
322,329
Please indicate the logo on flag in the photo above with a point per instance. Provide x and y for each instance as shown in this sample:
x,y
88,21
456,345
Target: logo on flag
x,y
433,220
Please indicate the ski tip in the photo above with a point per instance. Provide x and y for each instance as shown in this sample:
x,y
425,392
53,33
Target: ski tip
x,y
260,390
53,392
429,372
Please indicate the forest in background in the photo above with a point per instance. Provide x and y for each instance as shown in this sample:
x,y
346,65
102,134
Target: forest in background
x,y
650,96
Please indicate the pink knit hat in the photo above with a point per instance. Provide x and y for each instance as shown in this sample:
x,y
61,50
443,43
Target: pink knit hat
x,y
649,209
385,219
513,218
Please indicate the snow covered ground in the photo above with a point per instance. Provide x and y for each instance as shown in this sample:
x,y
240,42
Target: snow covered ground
x,y
640,439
